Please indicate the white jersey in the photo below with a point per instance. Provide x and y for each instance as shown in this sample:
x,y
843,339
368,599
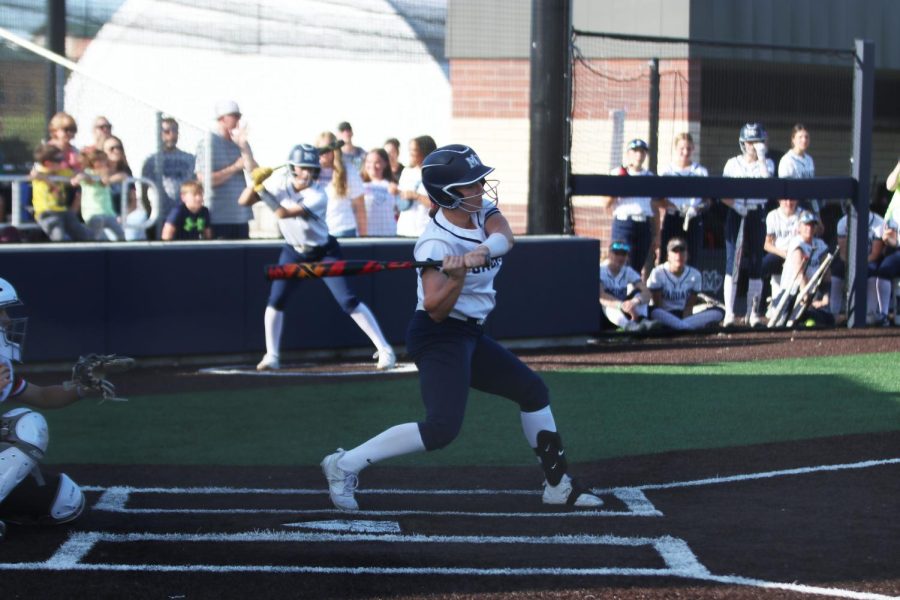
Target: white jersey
x,y
413,216
783,226
692,170
619,285
875,230
442,238
737,166
380,207
297,231
637,206
675,288
16,384
794,166
815,251
340,208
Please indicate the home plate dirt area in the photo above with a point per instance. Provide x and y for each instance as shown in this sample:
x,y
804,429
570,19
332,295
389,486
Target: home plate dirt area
x,y
809,519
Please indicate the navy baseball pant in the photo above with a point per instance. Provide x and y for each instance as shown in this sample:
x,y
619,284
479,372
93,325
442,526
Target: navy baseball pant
x,y
283,288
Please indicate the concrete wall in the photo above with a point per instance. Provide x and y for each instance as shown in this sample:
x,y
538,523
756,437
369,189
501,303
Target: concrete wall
x,y
178,299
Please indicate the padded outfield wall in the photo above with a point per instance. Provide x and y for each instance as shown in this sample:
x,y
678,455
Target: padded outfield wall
x,y
158,299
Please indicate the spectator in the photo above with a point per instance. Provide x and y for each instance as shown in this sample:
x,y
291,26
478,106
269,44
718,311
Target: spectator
x,y
381,204
797,164
675,287
684,216
168,169
635,220
232,158
750,212
190,219
102,130
414,203
878,291
119,185
890,266
62,129
782,224
806,246
623,296
392,147
353,155
96,199
346,215
56,219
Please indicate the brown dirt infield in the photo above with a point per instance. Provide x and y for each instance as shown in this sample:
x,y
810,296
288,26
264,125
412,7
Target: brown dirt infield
x,y
743,518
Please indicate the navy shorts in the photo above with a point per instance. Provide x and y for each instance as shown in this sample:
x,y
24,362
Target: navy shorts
x,y
453,356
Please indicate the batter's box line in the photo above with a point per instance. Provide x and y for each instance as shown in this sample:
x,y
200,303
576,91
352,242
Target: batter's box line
x,y
115,499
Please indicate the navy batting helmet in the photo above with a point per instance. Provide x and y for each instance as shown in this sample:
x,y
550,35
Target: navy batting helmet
x,y
450,167
304,155
752,132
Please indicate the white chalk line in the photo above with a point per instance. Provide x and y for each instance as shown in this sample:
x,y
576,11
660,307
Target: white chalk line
x,y
287,371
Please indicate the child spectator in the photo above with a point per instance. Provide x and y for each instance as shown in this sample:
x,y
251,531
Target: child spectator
x,y
190,219
96,198
49,197
381,213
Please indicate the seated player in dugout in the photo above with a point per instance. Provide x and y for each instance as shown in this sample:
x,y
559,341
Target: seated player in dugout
x,y
675,287
623,296
29,494
806,247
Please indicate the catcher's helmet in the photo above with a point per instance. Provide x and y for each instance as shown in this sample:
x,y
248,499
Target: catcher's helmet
x,y
449,167
304,155
752,132
12,340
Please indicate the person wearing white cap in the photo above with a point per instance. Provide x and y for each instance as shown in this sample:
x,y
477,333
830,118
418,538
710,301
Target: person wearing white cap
x,y
231,158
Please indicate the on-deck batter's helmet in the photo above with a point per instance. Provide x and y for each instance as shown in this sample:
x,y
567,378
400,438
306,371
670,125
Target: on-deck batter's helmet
x,y
304,155
450,167
752,132
12,340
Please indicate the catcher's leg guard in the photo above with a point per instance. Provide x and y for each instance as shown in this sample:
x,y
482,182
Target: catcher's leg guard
x,y
49,500
23,441
552,456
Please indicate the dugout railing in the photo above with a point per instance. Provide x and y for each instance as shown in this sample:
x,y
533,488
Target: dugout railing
x,y
855,188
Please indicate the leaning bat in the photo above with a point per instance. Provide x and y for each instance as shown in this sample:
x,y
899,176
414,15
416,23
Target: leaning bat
x,y
738,253
809,291
788,297
341,268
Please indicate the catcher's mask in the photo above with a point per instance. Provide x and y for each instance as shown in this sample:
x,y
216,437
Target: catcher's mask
x,y
12,340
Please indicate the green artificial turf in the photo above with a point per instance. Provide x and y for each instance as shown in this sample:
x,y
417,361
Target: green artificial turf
x,y
601,413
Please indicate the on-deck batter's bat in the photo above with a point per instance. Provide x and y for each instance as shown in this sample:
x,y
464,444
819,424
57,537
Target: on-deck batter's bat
x,y
788,296
809,291
341,268
738,254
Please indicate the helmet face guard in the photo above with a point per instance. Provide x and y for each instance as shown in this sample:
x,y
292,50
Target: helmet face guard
x,y
451,167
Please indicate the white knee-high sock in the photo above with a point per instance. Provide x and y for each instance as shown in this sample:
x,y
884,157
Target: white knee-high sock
x,y
396,441
754,289
836,296
274,323
366,321
884,295
535,422
730,294
616,316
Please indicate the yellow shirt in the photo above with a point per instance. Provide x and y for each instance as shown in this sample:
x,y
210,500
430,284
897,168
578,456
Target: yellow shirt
x,y
49,196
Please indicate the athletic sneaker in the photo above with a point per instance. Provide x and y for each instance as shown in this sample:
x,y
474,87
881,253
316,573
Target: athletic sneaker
x,y
728,321
341,484
268,363
386,359
650,325
569,492
757,320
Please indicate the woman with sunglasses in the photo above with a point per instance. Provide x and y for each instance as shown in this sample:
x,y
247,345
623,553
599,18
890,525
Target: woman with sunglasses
x,y
675,287
467,238
62,129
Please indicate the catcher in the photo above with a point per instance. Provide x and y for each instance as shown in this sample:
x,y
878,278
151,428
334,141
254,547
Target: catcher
x,y
29,494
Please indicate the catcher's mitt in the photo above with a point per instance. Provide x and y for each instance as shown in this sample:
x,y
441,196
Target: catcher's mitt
x,y
89,374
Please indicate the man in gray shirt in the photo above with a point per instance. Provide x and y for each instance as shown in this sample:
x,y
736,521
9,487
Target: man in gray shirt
x,y
231,159
168,169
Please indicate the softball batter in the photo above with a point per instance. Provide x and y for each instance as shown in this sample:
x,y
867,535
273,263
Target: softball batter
x,y
446,338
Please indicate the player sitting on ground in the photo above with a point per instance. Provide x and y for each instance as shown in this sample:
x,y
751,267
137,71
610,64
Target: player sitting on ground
x,y
674,286
806,247
28,494
878,290
623,296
